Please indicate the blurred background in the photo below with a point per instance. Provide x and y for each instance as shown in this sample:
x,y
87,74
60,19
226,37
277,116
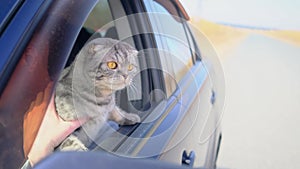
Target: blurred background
x,y
258,44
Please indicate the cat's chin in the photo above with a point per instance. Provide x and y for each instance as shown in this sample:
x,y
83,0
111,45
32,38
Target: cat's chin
x,y
110,86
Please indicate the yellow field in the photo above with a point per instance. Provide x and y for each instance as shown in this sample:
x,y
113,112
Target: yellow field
x,y
219,34
292,37
224,38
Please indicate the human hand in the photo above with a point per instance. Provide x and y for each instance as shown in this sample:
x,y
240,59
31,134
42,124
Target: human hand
x,y
52,132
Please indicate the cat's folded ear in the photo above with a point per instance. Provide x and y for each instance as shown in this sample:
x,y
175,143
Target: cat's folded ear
x,y
135,53
94,48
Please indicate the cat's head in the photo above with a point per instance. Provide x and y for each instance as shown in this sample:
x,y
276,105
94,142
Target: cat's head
x,y
112,64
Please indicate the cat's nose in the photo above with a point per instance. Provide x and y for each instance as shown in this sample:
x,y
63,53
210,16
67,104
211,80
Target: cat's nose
x,y
125,76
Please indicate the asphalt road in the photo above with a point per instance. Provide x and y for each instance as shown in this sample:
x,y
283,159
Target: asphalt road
x,y
262,113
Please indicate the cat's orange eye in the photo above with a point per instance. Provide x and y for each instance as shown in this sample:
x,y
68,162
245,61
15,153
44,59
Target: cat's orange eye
x,y
130,67
112,65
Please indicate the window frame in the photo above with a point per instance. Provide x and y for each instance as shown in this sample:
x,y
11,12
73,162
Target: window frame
x,y
25,16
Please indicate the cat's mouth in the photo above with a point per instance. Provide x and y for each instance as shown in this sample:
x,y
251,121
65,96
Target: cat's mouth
x,y
115,83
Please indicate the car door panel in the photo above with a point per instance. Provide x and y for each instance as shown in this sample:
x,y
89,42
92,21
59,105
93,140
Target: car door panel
x,y
29,88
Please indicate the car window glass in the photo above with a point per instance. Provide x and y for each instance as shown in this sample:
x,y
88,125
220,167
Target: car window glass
x,y
100,16
172,37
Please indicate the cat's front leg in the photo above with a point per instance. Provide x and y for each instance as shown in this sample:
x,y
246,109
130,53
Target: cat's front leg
x,y
123,118
72,143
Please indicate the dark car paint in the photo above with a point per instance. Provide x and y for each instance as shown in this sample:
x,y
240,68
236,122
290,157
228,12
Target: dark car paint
x,y
34,71
102,160
17,33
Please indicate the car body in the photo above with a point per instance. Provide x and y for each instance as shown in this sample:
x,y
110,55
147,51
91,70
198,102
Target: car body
x,y
39,38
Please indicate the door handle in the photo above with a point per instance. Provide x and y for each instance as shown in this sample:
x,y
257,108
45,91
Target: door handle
x,y
213,97
188,159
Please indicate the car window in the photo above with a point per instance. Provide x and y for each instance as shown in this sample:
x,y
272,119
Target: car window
x,y
171,38
100,24
103,22
100,16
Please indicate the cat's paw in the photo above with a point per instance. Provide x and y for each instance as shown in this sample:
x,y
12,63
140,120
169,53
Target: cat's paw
x,y
72,143
131,119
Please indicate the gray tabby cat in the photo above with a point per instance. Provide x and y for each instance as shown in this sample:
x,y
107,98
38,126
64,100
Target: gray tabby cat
x,y
86,89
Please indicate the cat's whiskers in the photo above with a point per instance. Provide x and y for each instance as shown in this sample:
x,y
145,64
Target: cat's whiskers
x,y
133,88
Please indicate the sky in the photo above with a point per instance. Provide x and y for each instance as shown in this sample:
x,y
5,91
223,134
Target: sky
x,y
269,14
